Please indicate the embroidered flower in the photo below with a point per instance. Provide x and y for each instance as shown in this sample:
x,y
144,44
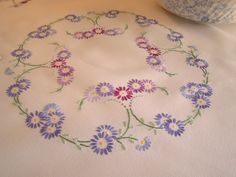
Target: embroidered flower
x,y
65,80
98,30
44,28
149,86
88,34
42,34
21,53
201,63
201,102
123,93
205,89
160,68
79,35
161,119
24,84
154,51
142,22
108,130
58,63
191,61
36,119
104,89
50,131
141,39
136,85
119,31
140,17
65,71
91,95
174,127
101,144
153,60
64,54
14,90
55,118
51,108
112,14
153,21
72,18
33,34
190,90
110,32
144,144
143,45
175,36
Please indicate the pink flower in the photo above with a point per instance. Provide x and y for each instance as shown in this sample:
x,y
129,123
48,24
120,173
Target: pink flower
x,y
66,71
123,93
58,63
65,80
79,35
88,34
154,51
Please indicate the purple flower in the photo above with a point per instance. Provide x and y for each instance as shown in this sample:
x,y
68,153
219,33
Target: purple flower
x,y
174,127
205,89
144,144
51,108
88,34
201,102
44,28
149,86
136,85
160,119
65,80
153,60
33,34
190,90
14,90
153,21
55,118
104,89
50,131
43,34
24,84
201,63
143,45
110,32
36,119
64,54
191,61
140,17
142,22
72,18
154,51
91,95
108,130
21,53
112,14
101,144
65,71
175,36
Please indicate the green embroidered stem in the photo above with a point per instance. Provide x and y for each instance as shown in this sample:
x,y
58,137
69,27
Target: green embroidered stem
x,y
90,19
192,118
28,64
163,89
128,137
142,122
127,127
170,74
76,142
81,103
56,21
18,105
58,90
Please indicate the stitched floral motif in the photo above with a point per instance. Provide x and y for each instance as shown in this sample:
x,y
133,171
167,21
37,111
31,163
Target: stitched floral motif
x,y
50,118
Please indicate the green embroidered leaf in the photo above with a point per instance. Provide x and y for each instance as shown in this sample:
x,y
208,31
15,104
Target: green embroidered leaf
x,y
78,146
63,141
151,124
81,104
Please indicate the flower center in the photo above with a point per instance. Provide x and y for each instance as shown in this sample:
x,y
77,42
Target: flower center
x,y
54,119
102,143
142,142
15,90
51,129
136,85
174,127
201,102
148,86
35,120
123,93
105,89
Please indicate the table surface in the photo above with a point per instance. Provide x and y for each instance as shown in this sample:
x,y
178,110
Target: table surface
x,y
205,148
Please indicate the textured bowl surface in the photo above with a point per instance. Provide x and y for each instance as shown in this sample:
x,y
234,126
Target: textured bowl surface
x,y
205,11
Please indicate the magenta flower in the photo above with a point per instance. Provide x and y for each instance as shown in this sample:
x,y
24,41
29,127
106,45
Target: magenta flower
x,y
123,93
58,63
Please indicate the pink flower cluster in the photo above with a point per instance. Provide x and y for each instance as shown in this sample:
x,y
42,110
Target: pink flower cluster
x,y
65,72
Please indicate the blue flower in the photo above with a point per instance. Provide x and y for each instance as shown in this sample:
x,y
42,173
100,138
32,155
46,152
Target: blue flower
x,y
201,102
143,144
14,90
51,108
44,28
201,63
112,14
108,130
191,61
21,53
50,131
104,89
205,89
24,84
160,119
36,119
101,144
175,36
174,127
64,54
153,60
55,118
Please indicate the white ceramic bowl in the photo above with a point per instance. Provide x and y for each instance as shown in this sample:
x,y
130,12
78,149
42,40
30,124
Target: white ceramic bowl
x,y
205,11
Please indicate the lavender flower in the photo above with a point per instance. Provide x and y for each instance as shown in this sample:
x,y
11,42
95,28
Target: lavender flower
x,y
205,89
35,120
112,14
174,127
55,118
65,80
191,61
136,85
144,144
201,102
175,36
14,90
50,131
64,54
153,60
108,130
65,71
201,63
110,32
44,28
51,108
190,90
104,89
101,144
72,18
24,84
161,119
149,86
91,95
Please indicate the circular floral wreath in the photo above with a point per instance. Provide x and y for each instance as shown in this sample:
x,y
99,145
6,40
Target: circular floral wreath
x,y
50,119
